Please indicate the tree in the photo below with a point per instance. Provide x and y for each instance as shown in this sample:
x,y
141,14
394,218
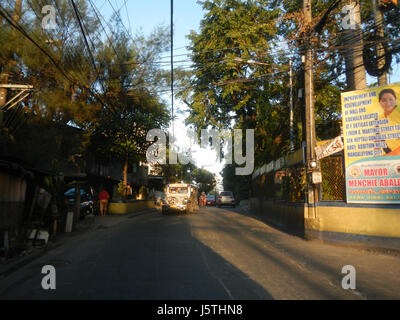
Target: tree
x,y
105,92
240,76
205,180
329,52
239,185
120,131
39,128
187,173
238,79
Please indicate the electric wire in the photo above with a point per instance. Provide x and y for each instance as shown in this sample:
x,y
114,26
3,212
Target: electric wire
x,y
332,48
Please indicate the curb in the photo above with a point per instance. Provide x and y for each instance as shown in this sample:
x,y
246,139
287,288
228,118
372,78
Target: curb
x,y
28,259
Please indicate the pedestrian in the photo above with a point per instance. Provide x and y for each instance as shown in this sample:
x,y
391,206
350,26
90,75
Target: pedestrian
x,y
103,196
203,199
129,191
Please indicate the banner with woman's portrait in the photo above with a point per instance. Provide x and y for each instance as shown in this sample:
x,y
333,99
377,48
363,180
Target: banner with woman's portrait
x,y
371,131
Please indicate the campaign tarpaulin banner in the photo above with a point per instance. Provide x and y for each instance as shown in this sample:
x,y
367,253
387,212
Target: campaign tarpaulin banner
x,y
371,131
329,148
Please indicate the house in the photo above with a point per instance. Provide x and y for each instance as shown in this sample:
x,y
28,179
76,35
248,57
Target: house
x,y
14,183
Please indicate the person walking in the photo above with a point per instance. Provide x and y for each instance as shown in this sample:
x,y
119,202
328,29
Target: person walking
x,y
103,197
203,199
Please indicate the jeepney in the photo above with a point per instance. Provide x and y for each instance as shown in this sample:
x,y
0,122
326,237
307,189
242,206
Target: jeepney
x,y
181,198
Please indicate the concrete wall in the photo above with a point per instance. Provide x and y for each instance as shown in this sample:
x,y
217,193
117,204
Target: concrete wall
x,y
289,216
12,200
130,207
364,220
372,225
11,214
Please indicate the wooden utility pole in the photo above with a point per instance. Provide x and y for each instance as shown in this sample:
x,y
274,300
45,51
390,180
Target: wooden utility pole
x,y
291,106
9,64
172,70
3,96
17,98
380,51
352,38
311,163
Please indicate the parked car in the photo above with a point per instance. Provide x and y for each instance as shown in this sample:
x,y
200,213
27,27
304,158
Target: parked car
x,y
210,200
226,198
87,205
159,196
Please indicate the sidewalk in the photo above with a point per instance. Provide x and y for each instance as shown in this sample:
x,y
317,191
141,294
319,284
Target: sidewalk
x,y
90,224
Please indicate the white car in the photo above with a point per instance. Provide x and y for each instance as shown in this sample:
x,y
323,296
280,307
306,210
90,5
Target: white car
x,y
226,198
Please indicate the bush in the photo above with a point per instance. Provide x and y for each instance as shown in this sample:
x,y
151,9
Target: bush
x,y
144,192
119,191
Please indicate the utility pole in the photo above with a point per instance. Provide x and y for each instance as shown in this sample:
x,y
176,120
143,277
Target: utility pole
x,y
172,70
8,66
352,38
311,163
291,106
24,91
3,96
380,52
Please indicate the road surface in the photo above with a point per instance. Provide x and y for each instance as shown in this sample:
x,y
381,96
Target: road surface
x,y
213,254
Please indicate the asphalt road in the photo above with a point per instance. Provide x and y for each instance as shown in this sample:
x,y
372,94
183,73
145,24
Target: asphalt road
x,y
213,254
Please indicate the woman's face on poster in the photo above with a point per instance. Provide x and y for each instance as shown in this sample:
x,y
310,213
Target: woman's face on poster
x,y
388,102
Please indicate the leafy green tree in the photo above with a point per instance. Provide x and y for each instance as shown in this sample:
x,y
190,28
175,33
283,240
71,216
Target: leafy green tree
x,y
328,52
205,180
105,95
239,81
120,131
240,77
177,172
39,128
239,185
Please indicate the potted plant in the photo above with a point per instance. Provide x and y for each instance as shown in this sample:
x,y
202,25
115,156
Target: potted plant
x,y
143,191
119,194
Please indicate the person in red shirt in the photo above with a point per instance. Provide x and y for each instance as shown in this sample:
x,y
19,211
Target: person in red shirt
x,y
103,196
203,199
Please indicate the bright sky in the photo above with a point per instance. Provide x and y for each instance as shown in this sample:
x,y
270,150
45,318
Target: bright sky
x,y
145,16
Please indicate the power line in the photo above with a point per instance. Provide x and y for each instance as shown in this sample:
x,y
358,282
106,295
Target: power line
x,y
23,32
97,13
20,29
79,18
80,73
84,35
127,15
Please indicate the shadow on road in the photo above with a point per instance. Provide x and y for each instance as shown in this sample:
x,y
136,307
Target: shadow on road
x,y
153,257
307,262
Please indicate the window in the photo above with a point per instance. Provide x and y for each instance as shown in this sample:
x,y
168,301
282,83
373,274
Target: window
x,y
178,190
226,193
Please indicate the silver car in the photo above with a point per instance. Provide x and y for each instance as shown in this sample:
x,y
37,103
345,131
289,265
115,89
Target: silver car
x,y
226,198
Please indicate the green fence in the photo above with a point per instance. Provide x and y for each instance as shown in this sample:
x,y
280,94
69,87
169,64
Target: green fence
x,y
287,184
333,178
